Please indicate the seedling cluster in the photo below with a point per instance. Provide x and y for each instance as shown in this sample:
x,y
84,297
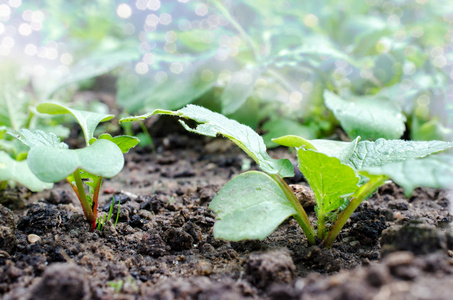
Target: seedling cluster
x,y
84,169
253,204
341,174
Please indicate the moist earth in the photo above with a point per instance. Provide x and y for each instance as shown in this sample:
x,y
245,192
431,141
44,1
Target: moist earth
x,y
162,247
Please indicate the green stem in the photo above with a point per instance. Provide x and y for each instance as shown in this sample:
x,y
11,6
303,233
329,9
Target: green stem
x,y
251,44
146,132
321,226
83,198
358,197
301,217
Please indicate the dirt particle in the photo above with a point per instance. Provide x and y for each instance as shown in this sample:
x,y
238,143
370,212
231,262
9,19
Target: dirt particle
x,y
265,269
152,244
204,268
416,236
59,197
41,219
304,194
377,275
399,258
398,204
61,281
178,239
33,238
8,239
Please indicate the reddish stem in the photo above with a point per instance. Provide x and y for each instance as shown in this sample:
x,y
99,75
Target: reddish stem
x,y
95,202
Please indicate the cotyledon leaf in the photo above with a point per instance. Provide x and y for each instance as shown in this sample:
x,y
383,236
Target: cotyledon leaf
x,y
37,138
87,120
435,171
19,171
103,158
250,206
212,124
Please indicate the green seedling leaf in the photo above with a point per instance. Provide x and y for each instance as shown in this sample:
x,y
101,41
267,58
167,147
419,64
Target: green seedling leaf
x,y
294,141
328,177
38,138
124,142
381,152
250,206
370,118
212,124
19,171
435,171
50,164
282,126
341,150
87,120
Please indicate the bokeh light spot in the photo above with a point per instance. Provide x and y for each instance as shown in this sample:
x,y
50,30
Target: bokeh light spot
x,y
176,68
8,42
311,20
141,4
161,76
25,29
66,59
141,68
165,19
15,3
30,49
124,11
154,4
201,9
148,58
5,12
207,75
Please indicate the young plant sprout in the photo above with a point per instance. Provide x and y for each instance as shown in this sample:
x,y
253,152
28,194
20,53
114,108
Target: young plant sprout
x,y
342,175
84,169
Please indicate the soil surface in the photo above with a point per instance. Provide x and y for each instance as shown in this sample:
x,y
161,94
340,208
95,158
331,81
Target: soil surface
x,y
393,247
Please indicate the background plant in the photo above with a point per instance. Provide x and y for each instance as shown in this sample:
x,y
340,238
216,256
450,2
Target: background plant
x,y
266,63
341,174
85,168
17,112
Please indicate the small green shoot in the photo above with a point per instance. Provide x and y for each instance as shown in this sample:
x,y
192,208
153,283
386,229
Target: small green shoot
x,y
101,221
342,175
84,169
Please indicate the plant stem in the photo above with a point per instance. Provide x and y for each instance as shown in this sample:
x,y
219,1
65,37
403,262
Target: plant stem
x,y
146,132
95,201
321,226
358,197
83,198
301,217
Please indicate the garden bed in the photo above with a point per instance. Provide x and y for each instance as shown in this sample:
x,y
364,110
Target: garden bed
x,y
163,248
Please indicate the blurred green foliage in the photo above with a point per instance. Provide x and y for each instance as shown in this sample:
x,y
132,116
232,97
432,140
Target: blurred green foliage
x,y
269,63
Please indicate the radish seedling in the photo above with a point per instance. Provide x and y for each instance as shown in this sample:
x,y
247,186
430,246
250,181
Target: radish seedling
x,y
51,160
341,174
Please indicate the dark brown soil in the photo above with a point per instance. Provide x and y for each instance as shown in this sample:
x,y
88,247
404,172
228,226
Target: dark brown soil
x,y
163,248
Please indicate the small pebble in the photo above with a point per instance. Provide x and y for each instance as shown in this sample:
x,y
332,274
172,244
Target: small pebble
x,y
33,238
